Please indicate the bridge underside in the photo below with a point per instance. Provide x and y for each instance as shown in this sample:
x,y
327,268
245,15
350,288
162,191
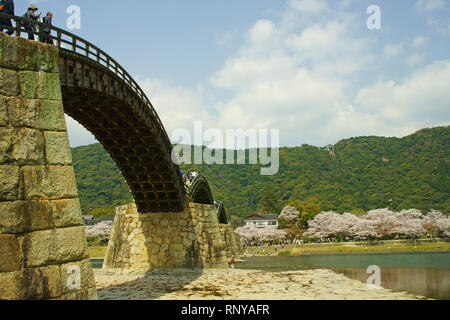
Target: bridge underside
x,y
131,144
128,130
199,191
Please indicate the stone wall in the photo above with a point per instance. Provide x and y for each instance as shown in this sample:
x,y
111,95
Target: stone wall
x,y
192,238
42,235
231,239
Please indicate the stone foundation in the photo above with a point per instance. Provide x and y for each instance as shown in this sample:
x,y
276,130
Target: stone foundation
x,y
232,241
42,235
192,238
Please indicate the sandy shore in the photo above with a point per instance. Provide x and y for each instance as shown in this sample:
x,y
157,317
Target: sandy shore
x,y
229,284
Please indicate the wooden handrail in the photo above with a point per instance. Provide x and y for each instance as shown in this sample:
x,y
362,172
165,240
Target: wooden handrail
x,y
111,64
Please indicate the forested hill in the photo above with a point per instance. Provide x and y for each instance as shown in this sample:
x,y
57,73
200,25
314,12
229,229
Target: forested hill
x,y
362,173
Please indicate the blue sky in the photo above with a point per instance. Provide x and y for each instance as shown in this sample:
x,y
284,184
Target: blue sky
x,y
310,68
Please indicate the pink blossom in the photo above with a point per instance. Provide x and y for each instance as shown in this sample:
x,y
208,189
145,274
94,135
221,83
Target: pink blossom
x,y
101,229
380,223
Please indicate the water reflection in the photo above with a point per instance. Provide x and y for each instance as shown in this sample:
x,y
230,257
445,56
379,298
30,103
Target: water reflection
x,y
428,282
426,274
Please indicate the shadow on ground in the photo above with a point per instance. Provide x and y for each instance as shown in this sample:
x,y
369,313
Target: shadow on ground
x,y
151,285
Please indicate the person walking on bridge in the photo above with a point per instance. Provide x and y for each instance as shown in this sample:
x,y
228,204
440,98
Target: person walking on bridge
x,y
7,7
30,15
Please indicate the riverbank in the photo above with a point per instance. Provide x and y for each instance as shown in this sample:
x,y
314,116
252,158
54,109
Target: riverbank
x,y
348,248
97,252
236,284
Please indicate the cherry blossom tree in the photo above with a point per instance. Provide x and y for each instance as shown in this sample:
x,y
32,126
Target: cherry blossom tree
x,y
380,223
99,230
252,234
289,215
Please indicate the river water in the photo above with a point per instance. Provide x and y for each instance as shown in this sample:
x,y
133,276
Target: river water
x,y
424,274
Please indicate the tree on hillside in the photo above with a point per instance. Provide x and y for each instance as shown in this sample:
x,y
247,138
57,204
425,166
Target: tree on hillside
x,y
269,201
308,209
236,221
289,221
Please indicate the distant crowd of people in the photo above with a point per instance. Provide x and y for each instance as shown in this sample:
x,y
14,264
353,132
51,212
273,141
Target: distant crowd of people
x,y
190,177
7,7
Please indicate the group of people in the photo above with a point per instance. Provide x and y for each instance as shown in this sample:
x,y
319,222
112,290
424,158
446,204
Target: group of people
x,y
7,7
188,178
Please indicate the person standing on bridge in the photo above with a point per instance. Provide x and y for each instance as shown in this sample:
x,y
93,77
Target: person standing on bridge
x,y
46,37
30,15
7,8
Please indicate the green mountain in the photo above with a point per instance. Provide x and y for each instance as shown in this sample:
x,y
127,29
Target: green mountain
x,y
360,174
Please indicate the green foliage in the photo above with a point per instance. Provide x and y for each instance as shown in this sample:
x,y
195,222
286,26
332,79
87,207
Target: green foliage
x,y
102,212
236,221
270,204
356,178
308,209
100,183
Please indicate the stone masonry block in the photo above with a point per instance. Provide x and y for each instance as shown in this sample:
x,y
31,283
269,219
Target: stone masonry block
x,y
54,246
5,145
29,81
49,87
38,85
57,148
21,54
9,84
68,272
90,294
38,114
27,146
11,287
10,254
41,283
34,215
25,216
4,118
9,182
66,213
50,182
3,38
30,283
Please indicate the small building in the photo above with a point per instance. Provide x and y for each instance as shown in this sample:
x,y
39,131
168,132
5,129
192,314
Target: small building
x,y
262,220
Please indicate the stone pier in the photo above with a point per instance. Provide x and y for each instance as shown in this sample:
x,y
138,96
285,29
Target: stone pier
x,y
193,238
43,248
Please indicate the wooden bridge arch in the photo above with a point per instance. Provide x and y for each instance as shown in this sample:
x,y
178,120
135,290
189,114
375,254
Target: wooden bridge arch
x,y
101,95
104,98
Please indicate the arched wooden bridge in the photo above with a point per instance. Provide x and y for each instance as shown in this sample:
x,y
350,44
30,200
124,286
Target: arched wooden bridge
x,y
199,192
104,98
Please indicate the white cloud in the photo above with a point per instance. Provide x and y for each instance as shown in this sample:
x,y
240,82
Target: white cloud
x,y
441,26
392,49
78,135
177,106
421,99
302,81
303,78
308,6
438,14
429,5
419,41
415,59
331,47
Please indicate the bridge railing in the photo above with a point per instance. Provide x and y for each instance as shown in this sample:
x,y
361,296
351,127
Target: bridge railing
x,y
67,41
